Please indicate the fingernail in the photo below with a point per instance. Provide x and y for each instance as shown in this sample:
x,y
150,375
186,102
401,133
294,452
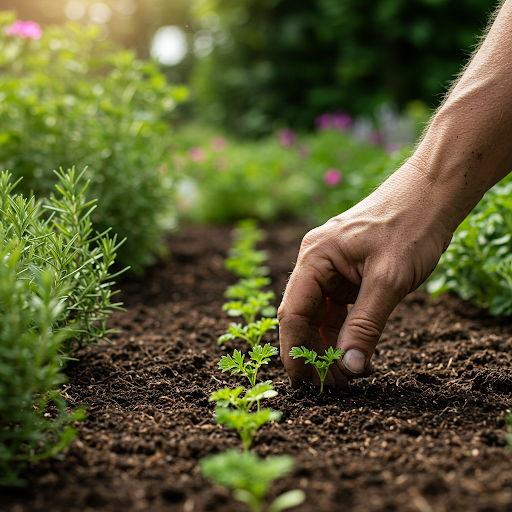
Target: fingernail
x,y
354,361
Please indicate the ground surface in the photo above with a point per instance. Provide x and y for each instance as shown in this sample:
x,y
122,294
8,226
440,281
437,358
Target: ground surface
x,y
425,433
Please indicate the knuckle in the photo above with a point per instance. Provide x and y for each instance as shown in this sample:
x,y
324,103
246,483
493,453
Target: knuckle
x,y
365,327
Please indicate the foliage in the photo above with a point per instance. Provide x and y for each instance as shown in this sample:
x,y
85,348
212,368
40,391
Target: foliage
x,y
69,98
250,477
252,333
245,423
478,263
267,181
321,366
259,356
225,397
293,60
55,294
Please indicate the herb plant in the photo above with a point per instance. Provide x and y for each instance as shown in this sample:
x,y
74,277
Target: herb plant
x,y
246,423
252,333
259,356
226,397
55,294
249,477
321,366
257,303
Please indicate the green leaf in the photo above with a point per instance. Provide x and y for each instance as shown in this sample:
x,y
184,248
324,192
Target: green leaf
x,y
287,500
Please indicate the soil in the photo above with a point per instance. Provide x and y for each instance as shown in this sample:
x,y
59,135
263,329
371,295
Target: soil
x,y
424,433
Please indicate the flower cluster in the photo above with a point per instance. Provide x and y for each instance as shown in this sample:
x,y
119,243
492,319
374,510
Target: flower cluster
x,y
25,29
338,120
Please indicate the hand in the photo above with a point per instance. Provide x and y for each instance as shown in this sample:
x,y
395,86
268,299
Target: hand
x,y
371,256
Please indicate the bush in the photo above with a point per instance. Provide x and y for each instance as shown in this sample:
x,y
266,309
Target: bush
x,y
478,263
55,294
71,99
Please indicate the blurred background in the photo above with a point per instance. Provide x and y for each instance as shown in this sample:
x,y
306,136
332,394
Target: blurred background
x,y
257,64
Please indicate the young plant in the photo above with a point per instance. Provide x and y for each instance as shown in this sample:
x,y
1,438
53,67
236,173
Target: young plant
x,y
252,333
246,423
259,356
257,303
321,366
246,288
249,477
226,397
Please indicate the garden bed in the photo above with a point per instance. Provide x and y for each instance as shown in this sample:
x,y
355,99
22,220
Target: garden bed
x,y
424,433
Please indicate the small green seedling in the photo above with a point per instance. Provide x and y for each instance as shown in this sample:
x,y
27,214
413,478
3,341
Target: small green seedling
x,y
321,366
246,423
226,397
249,477
256,304
259,355
246,288
508,435
252,333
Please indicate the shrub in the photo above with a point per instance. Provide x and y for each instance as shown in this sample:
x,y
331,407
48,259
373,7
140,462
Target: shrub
x,y
70,99
55,294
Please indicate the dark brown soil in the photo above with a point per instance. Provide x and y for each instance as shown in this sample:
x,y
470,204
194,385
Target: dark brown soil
x,y
425,433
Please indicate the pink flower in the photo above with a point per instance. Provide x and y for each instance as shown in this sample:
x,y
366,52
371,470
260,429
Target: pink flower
x,y
341,121
219,144
332,177
197,154
324,122
287,137
391,148
26,29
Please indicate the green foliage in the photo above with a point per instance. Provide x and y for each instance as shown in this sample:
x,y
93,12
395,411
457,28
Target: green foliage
x,y
259,356
292,60
69,99
226,397
478,263
321,366
257,303
55,294
269,182
245,423
252,333
250,477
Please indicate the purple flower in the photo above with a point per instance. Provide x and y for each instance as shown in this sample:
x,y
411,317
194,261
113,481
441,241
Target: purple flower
x,y
287,137
197,154
391,148
219,144
324,122
26,29
341,121
332,177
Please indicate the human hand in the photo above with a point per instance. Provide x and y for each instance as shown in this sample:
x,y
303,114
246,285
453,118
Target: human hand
x,y
371,256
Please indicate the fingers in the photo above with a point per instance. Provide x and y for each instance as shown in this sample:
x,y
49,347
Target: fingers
x,y
302,302
378,297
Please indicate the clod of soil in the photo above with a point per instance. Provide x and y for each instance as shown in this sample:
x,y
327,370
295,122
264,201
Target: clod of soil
x,y
424,433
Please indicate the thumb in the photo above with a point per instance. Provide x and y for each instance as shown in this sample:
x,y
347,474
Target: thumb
x,y
364,324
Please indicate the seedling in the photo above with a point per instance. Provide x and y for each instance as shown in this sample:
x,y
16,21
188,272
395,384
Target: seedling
x,y
245,288
250,477
252,333
321,366
256,304
246,423
226,397
259,356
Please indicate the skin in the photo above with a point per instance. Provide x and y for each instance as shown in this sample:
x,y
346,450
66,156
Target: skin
x,y
383,248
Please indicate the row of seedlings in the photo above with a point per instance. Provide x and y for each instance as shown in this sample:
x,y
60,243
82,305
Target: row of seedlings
x,y
243,471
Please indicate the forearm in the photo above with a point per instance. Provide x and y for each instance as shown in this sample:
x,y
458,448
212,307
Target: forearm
x,y
468,146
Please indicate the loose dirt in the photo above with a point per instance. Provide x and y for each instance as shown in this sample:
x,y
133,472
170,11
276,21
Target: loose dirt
x,y
424,433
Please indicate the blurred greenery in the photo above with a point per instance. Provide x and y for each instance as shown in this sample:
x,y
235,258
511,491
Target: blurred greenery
x,y
69,99
292,60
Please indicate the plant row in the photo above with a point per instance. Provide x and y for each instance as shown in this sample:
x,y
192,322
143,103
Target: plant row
x,y
241,408
55,295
